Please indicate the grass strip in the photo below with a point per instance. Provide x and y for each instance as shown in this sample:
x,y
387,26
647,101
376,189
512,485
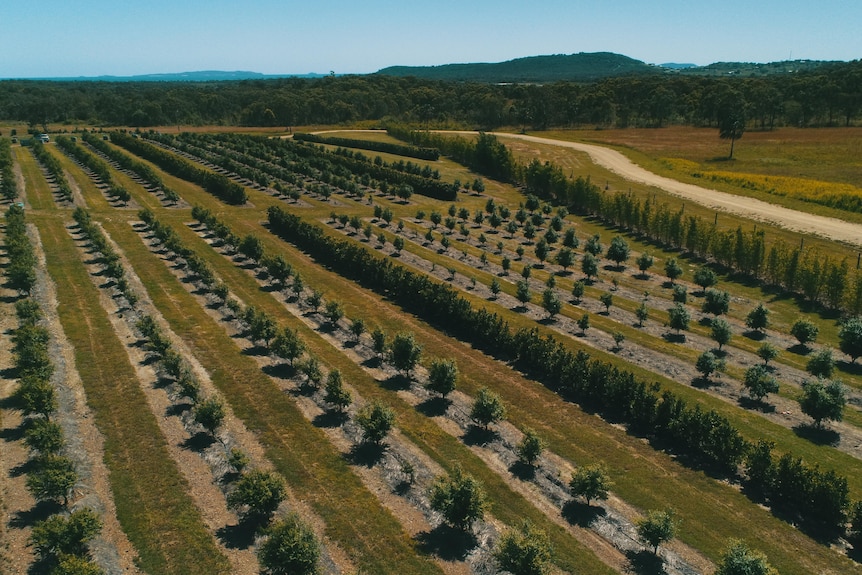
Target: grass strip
x,y
150,493
316,472
507,505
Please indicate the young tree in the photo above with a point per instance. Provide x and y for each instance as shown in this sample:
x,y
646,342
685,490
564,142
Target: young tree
x,y
656,528
738,559
488,408
823,400
376,420
642,313
590,266
357,328
404,352
759,382
570,239
850,337
707,364
678,317
618,251
333,311
565,258
310,368
590,482
680,294
672,270
767,352
506,264
442,376
804,331
644,262
314,300
584,323
758,318
257,495
36,395
52,478
821,364
287,345
530,447
523,291
398,244
542,250
578,289
336,394
716,302
210,414
705,277
378,339
721,332
593,245
459,498
551,302
607,300
61,536
526,551
495,288
43,436
290,548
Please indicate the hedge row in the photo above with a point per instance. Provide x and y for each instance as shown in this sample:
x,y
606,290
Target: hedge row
x,y
95,165
703,437
55,169
128,163
215,184
430,154
60,539
8,187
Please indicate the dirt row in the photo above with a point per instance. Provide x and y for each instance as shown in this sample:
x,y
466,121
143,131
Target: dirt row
x,y
780,410
611,522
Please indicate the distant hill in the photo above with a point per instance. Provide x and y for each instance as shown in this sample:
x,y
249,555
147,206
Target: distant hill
x,y
755,69
202,76
582,67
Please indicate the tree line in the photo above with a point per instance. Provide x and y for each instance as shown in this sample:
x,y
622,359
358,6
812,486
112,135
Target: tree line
x,y
8,185
131,164
343,168
430,154
54,169
797,269
829,95
703,438
98,167
215,184
61,539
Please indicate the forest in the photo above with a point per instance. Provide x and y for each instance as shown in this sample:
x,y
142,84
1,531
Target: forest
x,y
828,96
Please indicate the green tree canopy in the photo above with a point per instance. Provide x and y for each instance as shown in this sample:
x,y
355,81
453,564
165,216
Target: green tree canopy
x,y
460,498
526,551
289,548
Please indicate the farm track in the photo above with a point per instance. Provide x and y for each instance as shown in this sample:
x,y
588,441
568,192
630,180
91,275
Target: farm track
x,y
560,434
750,208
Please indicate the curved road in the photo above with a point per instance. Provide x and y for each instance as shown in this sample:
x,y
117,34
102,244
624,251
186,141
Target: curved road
x,y
758,210
830,228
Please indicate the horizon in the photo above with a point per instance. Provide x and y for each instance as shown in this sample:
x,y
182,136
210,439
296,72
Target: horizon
x,y
93,38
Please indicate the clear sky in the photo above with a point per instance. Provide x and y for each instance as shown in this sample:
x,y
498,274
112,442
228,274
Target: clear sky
x,y
49,38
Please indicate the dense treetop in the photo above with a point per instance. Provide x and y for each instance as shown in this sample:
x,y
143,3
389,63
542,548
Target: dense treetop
x,y
829,94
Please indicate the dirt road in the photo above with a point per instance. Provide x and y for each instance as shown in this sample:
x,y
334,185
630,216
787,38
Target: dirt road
x,y
830,228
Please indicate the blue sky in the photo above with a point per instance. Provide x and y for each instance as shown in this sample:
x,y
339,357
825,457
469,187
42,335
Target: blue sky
x,y
118,37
